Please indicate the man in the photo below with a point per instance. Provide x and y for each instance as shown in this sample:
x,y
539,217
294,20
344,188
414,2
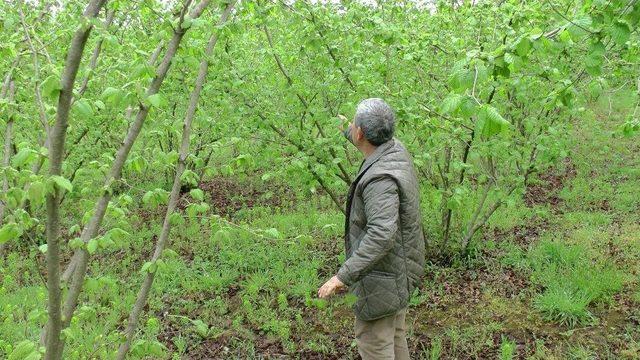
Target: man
x,y
383,235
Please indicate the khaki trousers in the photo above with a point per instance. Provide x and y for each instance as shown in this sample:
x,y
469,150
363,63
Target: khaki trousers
x,y
383,339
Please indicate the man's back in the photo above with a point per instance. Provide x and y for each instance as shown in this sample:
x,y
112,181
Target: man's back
x,y
384,198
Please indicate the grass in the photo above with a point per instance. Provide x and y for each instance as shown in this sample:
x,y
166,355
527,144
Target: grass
x,y
507,349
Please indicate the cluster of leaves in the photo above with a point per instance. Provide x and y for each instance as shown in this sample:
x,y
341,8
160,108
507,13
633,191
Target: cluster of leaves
x,y
498,83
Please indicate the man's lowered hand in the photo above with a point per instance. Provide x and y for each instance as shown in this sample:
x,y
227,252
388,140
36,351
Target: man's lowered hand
x,y
330,287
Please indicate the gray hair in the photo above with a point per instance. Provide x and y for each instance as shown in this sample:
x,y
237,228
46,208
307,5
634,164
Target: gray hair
x,y
377,120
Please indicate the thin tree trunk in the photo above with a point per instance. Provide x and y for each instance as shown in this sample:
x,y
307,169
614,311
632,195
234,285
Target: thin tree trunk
x,y
7,153
465,157
41,109
66,275
143,294
37,166
36,70
81,257
58,133
444,174
478,210
485,218
8,78
93,63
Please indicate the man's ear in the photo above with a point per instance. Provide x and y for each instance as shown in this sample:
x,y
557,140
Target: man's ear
x,y
359,133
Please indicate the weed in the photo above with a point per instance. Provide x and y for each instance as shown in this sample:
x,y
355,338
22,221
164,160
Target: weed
x,y
507,349
435,350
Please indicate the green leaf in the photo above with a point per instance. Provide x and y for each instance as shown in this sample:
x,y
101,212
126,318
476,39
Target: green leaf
x,y
453,203
350,299
509,58
137,164
83,108
461,77
109,92
468,107
92,246
197,194
243,160
43,248
149,266
576,27
156,100
145,266
273,233
221,235
168,253
113,96
175,219
201,328
620,32
146,199
630,128
523,46
451,103
118,234
10,231
143,71
161,265
111,40
62,183
186,22
9,24
194,209
36,192
594,59
51,86
189,177
23,157
319,303
14,197
156,197
43,151
25,350
99,104
76,243
490,122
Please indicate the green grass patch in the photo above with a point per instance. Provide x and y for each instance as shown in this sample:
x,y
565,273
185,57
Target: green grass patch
x,y
572,281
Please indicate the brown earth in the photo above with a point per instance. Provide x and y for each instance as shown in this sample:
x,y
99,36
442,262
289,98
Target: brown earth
x,y
547,186
227,195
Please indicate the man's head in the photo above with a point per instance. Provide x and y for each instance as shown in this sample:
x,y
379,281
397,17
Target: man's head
x,y
374,123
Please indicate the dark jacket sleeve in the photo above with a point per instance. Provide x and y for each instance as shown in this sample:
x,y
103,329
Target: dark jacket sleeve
x,y
381,202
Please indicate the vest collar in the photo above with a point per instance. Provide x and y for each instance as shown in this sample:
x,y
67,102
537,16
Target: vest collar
x,y
377,154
